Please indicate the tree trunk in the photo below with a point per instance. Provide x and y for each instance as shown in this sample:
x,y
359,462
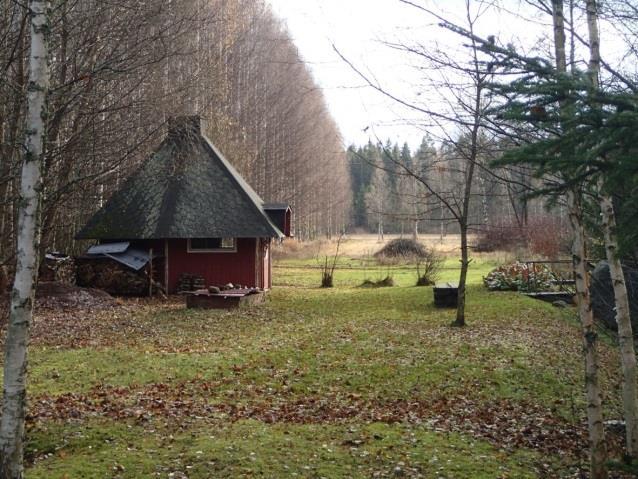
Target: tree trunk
x,y
623,318
625,331
15,359
465,263
598,448
467,197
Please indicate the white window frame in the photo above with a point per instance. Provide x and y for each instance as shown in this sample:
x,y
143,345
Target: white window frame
x,y
232,249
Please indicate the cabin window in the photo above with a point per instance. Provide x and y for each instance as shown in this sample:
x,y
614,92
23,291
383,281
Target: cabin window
x,y
212,245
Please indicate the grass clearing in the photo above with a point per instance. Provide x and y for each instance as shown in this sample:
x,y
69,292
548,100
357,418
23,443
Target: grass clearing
x,y
251,448
341,382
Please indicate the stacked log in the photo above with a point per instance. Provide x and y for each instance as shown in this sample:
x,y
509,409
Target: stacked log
x,y
58,268
190,282
111,276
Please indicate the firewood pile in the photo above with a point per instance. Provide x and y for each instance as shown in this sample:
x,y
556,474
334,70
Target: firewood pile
x,y
57,267
111,276
190,282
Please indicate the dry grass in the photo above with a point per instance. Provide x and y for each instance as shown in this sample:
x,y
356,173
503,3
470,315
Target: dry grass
x,y
365,245
294,249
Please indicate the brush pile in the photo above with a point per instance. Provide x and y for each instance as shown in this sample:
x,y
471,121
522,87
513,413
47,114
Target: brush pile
x,y
402,249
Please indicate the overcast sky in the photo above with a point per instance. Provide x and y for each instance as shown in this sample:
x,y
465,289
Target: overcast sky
x,y
359,29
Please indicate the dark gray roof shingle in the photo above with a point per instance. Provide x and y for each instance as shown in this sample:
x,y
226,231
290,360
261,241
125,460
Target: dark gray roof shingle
x,y
186,189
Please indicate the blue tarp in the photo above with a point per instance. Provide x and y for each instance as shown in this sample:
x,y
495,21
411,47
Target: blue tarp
x,y
120,252
109,248
133,258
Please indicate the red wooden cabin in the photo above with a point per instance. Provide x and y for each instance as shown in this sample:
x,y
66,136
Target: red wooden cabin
x,y
195,213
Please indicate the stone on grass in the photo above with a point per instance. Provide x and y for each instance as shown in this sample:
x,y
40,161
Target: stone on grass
x,y
602,295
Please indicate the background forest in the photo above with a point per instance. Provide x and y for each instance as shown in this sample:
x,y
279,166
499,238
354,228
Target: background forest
x,y
120,70
389,196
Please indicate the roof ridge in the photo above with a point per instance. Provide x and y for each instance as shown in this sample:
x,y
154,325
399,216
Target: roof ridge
x,y
185,189
252,195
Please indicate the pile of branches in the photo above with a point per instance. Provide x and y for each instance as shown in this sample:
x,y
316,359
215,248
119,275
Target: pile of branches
x,y
405,250
402,249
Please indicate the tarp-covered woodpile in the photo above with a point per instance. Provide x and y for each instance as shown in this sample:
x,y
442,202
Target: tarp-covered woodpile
x,y
189,209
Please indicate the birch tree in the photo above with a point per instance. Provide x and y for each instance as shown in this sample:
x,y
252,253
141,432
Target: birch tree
x,y
554,146
623,318
568,164
15,358
598,450
377,199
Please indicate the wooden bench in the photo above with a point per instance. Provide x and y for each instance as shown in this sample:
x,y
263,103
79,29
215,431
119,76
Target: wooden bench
x,y
446,295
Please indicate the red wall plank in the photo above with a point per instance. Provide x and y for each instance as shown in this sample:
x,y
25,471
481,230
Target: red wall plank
x,y
216,268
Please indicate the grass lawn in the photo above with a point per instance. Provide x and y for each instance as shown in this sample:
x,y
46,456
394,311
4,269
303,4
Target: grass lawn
x,y
347,382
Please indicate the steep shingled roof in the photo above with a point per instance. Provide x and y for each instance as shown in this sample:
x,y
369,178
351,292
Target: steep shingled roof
x,y
186,189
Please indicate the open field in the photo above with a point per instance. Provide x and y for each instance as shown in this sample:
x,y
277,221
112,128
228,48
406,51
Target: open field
x,y
368,244
339,383
365,245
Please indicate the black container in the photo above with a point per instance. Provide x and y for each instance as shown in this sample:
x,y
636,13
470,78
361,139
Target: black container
x,y
446,295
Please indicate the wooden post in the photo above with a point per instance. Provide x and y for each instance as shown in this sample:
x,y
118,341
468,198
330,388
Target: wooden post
x,y
150,272
166,266
258,264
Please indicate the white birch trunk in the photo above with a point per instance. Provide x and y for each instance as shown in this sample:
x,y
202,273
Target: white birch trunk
x,y
415,209
597,446
28,236
623,317
625,331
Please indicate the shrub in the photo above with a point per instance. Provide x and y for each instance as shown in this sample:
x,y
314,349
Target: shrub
x,y
428,268
328,268
520,277
504,236
382,283
548,237
543,236
326,278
